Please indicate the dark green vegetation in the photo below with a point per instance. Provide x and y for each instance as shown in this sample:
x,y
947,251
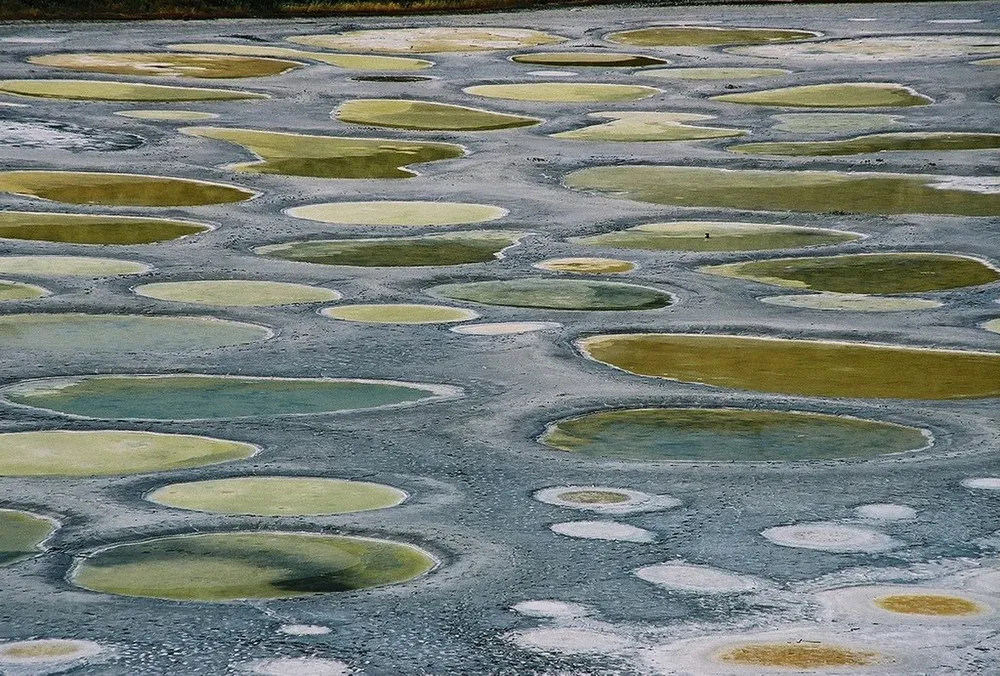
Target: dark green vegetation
x,y
22,534
875,143
92,229
194,397
727,435
557,294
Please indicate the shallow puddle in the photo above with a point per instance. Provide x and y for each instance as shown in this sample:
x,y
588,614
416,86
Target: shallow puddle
x,y
111,453
328,156
727,435
586,266
833,123
802,191
589,59
22,534
393,213
205,397
864,273
715,73
883,48
456,248
427,115
430,39
705,36
646,126
35,133
166,64
256,565
803,655
278,496
716,236
852,302
935,605
564,92
875,143
346,61
395,313
69,266
18,291
112,335
801,367
127,190
557,294
93,229
168,115
237,293
103,90
841,95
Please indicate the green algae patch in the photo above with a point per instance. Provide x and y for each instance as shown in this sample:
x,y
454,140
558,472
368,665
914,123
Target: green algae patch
x,y
207,397
882,48
646,126
833,123
166,64
557,294
70,266
715,73
237,293
841,95
126,190
852,302
396,213
22,534
328,156
93,229
716,236
727,435
456,248
62,453
564,92
705,36
278,496
389,313
430,39
168,115
18,291
102,90
427,115
112,335
589,59
249,565
799,191
875,143
865,273
587,266
345,61
801,367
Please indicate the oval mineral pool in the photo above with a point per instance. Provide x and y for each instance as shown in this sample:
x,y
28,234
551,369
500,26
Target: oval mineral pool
x,y
914,141
887,273
46,652
393,213
132,190
430,39
427,115
168,115
70,266
236,292
399,314
103,90
248,565
63,453
589,59
798,656
883,48
346,61
992,325
19,291
278,496
648,127
112,335
705,36
840,95
829,536
456,248
586,266
206,397
557,294
727,435
166,64
801,367
929,604
93,229
22,534
852,302
55,135
716,236
504,328
833,123
563,92
714,73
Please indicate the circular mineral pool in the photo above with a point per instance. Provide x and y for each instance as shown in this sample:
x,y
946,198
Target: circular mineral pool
x,y
831,537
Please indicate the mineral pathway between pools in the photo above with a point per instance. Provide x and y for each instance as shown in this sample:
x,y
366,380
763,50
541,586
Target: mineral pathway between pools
x,y
215,459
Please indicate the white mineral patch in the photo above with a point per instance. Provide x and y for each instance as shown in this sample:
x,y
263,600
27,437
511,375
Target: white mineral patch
x,y
634,502
986,483
954,21
570,641
504,328
47,651
27,40
703,579
985,185
551,609
831,537
603,530
298,666
304,629
851,302
63,136
886,511
552,73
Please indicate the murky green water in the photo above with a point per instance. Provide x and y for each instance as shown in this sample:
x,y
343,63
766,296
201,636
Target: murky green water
x,y
133,190
22,534
564,92
19,291
841,95
93,229
646,126
875,143
427,115
237,293
589,59
557,294
716,236
725,435
166,64
705,36
103,90
802,367
239,565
